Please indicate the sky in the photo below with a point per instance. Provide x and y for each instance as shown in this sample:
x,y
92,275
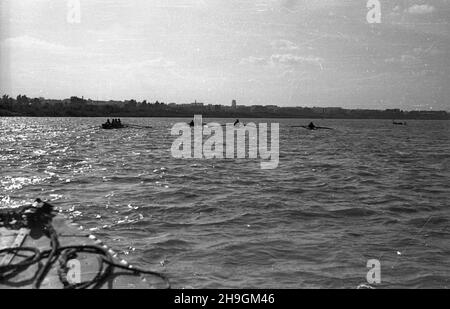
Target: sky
x,y
258,52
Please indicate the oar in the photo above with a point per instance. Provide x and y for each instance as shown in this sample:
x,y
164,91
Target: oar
x,y
239,124
138,126
315,128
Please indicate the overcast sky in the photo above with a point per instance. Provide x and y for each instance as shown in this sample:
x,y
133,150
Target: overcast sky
x,y
283,52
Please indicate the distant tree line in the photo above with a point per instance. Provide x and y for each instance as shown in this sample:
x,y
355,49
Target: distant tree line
x,y
80,107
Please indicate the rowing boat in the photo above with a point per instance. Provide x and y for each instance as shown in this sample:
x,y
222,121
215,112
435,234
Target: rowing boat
x,y
313,128
109,127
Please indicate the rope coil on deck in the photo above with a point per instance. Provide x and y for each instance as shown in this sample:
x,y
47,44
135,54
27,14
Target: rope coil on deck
x,y
39,215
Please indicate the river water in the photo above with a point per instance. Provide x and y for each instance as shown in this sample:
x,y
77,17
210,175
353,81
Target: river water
x,y
365,190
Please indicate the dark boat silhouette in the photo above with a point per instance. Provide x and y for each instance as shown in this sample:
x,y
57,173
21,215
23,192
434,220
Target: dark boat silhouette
x,y
111,127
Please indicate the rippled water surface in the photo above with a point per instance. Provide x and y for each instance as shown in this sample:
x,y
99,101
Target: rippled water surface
x,y
338,198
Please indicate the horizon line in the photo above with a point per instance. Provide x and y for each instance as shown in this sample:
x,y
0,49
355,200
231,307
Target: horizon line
x,y
230,106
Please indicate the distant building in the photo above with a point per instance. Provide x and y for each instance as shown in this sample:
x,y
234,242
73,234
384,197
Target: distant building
x,y
318,110
199,104
233,104
105,103
332,110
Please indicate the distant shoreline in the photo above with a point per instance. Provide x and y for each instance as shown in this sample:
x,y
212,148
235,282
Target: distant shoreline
x,y
22,106
233,118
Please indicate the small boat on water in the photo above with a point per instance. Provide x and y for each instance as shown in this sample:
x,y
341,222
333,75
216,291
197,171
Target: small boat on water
x,y
41,248
313,127
237,124
399,123
110,127
114,124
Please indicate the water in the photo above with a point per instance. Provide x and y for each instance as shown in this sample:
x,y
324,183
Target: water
x,y
367,190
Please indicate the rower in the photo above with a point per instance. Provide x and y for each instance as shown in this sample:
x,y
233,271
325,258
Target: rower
x,y
311,126
191,123
107,124
236,122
